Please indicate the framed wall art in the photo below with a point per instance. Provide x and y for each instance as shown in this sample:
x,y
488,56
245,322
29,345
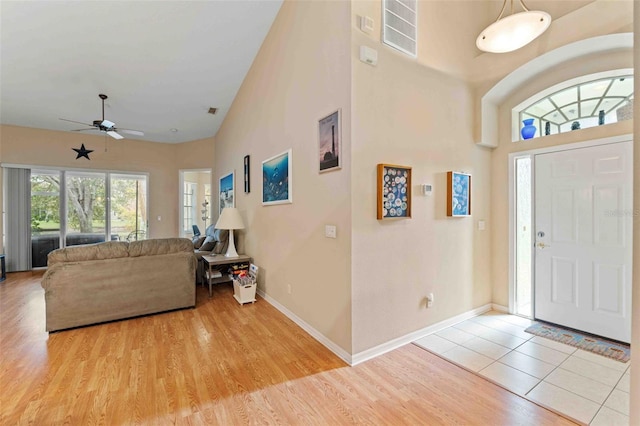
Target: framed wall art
x,y
247,183
277,179
330,142
394,192
227,191
458,194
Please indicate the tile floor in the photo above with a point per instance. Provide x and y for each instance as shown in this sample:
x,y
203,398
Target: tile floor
x,y
583,386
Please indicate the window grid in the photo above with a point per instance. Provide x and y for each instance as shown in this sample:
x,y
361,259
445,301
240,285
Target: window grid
x,y
561,116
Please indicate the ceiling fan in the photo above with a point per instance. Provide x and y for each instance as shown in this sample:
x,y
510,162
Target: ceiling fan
x,y
109,127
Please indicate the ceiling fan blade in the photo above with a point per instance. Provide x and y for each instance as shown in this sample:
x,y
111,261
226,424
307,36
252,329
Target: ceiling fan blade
x,y
114,134
132,132
83,130
77,122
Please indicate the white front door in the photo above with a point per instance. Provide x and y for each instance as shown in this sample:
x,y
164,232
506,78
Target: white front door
x,y
583,239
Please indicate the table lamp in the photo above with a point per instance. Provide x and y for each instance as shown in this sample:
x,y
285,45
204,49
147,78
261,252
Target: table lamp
x,y
230,219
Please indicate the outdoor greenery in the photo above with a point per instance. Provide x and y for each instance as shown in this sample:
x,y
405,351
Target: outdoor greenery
x,y
86,204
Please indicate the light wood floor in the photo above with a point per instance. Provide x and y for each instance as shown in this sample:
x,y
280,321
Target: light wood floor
x,y
224,364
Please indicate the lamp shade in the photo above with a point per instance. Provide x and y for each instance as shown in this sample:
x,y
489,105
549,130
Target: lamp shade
x,y
513,32
230,219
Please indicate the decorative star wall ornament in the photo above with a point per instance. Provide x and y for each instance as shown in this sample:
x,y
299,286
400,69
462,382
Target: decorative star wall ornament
x,y
83,152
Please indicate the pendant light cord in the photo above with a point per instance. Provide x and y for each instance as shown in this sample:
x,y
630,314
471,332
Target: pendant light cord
x,y
504,6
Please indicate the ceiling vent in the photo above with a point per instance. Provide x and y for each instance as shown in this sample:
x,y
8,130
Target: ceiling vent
x,y
213,111
399,25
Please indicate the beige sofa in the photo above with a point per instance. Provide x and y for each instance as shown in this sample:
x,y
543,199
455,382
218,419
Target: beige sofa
x,y
115,280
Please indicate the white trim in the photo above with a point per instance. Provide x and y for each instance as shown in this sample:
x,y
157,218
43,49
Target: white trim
x,y
415,335
72,169
324,340
376,351
499,308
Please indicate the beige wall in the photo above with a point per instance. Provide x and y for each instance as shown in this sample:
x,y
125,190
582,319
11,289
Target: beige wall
x,y
408,114
27,146
301,74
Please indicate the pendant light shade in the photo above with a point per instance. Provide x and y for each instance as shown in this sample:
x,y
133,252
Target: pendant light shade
x,y
514,31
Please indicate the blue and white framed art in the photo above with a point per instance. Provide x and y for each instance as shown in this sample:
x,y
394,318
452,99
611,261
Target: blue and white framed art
x,y
458,194
277,179
394,192
227,191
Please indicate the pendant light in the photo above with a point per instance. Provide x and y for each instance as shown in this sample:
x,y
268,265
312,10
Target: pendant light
x,y
514,31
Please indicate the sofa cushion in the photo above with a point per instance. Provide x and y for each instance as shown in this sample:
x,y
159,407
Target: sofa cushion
x,y
197,242
208,244
100,251
160,246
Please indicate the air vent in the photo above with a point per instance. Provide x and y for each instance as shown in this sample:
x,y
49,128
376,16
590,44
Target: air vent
x,y
213,111
399,25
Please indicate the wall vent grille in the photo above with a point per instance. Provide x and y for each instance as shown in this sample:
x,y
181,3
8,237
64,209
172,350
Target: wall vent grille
x,y
399,25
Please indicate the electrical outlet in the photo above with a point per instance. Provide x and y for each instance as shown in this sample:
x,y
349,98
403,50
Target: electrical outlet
x,y
429,300
289,288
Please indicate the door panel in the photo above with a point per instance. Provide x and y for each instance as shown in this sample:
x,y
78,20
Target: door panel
x,y
583,219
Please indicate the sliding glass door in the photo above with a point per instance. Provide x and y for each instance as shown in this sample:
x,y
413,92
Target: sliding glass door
x,y
86,208
72,207
45,215
128,207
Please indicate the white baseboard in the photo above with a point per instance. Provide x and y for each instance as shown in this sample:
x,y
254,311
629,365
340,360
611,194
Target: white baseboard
x,y
408,338
499,308
328,343
385,347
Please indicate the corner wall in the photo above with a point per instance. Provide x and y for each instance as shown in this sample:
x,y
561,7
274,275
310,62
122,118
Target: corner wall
x,y
408,114
300,75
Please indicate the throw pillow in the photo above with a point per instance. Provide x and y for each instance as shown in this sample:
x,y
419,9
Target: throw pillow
x,y
208,244
197,242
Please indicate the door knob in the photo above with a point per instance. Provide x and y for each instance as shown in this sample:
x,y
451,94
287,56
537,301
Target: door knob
x,y
541,234
542,245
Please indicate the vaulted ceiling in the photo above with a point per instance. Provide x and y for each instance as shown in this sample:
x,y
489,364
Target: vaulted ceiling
x,y
163,64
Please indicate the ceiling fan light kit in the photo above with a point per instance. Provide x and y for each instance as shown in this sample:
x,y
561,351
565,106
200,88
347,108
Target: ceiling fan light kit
x,y
514,31
109,127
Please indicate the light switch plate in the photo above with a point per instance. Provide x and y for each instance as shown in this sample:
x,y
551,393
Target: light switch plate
x,y
330,231
366,24
481,225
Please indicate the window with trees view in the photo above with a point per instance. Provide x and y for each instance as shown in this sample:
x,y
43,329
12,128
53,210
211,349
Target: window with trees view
x,y
72,207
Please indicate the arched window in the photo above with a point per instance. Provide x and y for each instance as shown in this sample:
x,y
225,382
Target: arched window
x,y
578,104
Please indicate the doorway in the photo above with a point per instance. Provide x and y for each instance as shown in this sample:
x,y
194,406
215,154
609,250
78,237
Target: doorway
x,y
571,219
195,201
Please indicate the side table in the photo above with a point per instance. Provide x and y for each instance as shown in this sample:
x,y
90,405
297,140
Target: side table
x,y
221,260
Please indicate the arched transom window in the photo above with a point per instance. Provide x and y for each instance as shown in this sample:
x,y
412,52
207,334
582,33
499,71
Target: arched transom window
x,y
590,103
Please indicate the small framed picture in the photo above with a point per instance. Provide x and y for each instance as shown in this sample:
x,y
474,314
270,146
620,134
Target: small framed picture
x,y
330,142
277,179
458,194
394,192
247,184
227,188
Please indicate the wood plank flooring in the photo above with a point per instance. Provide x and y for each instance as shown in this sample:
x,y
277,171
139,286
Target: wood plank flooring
x,y
221,363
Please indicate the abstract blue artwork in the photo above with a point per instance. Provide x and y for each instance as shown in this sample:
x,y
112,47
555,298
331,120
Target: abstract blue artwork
x,y
458,194
276,179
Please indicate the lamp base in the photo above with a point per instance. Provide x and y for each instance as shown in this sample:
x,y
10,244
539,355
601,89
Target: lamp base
x,y
231,249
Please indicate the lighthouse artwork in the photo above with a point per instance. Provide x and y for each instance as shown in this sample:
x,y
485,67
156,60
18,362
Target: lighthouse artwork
x,y
329,142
